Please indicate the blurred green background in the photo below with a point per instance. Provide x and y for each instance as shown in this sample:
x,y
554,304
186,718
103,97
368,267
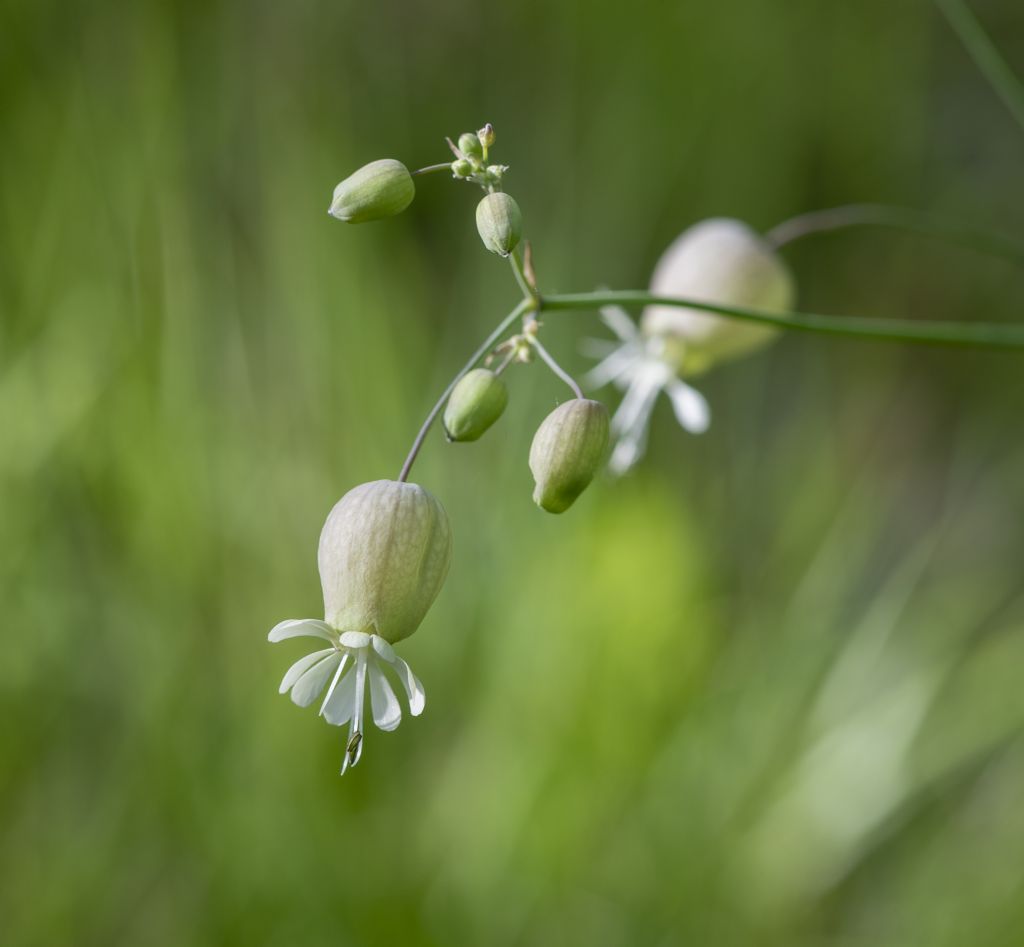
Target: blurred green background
x,y
765,690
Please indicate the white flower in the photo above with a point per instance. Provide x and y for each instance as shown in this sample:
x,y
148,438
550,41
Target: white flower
x,y
643,367
353,659
716,261
383,557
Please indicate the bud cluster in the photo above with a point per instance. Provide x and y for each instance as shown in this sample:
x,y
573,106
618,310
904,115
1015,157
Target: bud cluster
x,y
385,187
471,155
569,446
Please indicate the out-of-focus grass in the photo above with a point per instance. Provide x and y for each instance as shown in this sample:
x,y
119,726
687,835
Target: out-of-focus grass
x,y
763,691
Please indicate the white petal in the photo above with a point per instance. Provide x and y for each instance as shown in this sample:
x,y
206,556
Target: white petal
x,y
598,348
628,450
355,639
620,322
691,407
620,363
300,667
301,627
309,686
635,407
341,706
360,696
387,712
413,687
383,648
334,680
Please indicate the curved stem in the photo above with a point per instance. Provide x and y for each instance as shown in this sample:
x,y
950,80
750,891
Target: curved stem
x,y
555,367
980,335
524,306
985,55
903,218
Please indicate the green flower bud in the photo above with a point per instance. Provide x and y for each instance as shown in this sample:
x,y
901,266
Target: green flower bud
x,y
486,135
384,554
461,168
469,144
379,189
476,402
566,452
499,223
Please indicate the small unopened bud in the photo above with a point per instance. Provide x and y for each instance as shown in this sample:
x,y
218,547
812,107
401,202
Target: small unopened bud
x,y
567,451
477,401
469,144
379,189
486,135
462,168
384,554
499,223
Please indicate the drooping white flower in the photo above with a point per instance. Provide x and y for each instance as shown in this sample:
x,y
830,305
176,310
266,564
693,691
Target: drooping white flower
x,y
718,261
353,660
384,554
643,368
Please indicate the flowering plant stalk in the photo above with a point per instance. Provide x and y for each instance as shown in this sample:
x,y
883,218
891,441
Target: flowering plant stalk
x,y
720,292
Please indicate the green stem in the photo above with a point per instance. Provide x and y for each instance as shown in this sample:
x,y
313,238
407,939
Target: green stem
x,y
985,55
903,218
525,305
980,335
555,367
